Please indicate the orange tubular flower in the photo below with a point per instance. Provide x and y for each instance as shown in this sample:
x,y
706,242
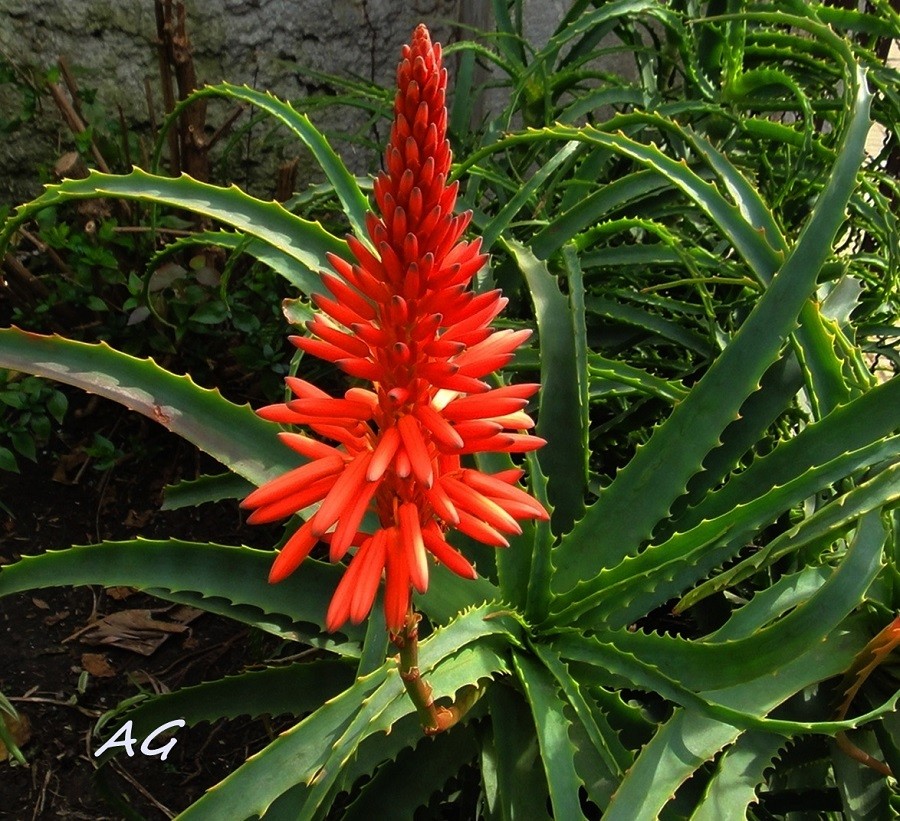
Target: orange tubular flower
x,y
404,319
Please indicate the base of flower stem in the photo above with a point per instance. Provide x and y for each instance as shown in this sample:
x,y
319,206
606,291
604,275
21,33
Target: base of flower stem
x,y
433,718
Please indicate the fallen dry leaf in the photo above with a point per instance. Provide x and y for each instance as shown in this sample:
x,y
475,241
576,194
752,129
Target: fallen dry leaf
x,y
137,629
19,728
97,665
135,519
56,618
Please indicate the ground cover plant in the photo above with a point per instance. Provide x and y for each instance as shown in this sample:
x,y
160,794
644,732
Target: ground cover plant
x,y
689,610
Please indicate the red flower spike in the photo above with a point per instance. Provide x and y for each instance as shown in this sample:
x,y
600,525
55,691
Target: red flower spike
x,y
403,318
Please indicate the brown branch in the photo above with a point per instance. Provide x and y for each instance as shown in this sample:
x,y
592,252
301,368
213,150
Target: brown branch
x,y
71,84
177,60
849,748
123,127
151,109
21,281
163,14
865,663
223,129
75,123
55,258
433,718
286,180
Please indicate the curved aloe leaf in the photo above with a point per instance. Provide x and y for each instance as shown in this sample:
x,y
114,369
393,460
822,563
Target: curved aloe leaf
x,y
535,564
594,207
470,666
391,793
377,752
223,579
449,594
652,323
498,224
193,492
739,772
303,241
560,418
767,605
704,665
552,727
294,689
859,423
603,371
521,789
689,739
604,739
348,191
231,433
825,525
659,472
620,595
317,748
279,261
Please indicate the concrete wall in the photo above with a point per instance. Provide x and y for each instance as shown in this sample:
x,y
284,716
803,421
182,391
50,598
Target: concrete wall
x,y
265,43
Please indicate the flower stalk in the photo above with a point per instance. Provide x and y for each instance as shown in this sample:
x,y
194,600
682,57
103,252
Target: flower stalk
x,y
433,718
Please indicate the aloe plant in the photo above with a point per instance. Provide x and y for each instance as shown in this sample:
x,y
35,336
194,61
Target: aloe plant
x,y
721,464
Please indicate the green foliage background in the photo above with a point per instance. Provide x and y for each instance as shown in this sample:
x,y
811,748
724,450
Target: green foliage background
x,y
710,260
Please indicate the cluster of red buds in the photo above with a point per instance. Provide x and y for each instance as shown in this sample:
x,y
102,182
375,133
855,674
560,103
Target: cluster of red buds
x,y
403,317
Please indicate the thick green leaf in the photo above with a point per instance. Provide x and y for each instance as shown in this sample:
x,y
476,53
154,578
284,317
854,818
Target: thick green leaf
x,y
538,567
304,241
233,434
853,426
470,666
499,223
348,191
579,326
560,419
777,388
193,492
603,18
689,739
620,595
651,322
315,751
593,207
227,580
738,773
604,739
713,665
295,689
604,370
659,472
448,594
279,261
552,726
825,525
393,794
770,603
521,786
826,386
865,793
291,761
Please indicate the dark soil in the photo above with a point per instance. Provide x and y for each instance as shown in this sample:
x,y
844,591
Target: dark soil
x,y
61,682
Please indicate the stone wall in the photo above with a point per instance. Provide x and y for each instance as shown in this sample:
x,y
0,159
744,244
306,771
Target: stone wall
x,y
267,44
